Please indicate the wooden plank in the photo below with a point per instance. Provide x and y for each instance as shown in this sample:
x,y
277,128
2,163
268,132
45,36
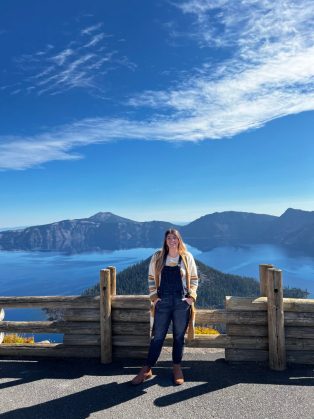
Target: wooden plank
x,y
129,315
263,278
202,341
300,357
58,350
276,331
232,317
247,330
82,314
223,341
81,340
300,344
131,302
138,329
246,355
246,304
209,317
299,319
130,353
247,317
260,303
131,340
299,332
50,301
105,317
50,327
299,305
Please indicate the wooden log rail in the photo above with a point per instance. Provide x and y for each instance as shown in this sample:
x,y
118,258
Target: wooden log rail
x,y
50,302
81,337
268,328
248,317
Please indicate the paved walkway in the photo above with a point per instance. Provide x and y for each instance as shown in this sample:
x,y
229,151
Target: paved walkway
x,y
213,389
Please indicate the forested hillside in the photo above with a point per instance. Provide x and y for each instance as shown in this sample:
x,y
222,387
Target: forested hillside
x,y
213,287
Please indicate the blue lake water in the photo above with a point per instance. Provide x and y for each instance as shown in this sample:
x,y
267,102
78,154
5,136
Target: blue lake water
x,y
52,273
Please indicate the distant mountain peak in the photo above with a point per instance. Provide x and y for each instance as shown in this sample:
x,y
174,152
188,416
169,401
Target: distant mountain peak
x,y
295,211
104,217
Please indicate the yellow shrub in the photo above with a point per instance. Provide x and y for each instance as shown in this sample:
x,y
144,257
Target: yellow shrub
x,y
19,339
205,331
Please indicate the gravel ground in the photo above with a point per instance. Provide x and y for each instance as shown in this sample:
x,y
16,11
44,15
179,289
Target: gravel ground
x,y
213,389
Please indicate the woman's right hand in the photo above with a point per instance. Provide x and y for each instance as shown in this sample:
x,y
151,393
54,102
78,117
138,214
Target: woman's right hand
x,y
156,301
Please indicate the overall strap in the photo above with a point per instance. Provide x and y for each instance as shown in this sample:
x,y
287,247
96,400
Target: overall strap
x,y
188,279
157,282
157,273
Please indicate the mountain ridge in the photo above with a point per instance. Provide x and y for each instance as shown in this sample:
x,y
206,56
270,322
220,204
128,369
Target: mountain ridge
x,y
107,231
214,285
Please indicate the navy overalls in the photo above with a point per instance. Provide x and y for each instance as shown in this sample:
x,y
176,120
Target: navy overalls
x,y
170,307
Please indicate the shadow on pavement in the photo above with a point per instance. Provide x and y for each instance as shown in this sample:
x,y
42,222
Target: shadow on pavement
x,y
206,376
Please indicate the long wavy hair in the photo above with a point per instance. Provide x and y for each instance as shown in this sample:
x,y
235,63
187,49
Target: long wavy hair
x,y
161,255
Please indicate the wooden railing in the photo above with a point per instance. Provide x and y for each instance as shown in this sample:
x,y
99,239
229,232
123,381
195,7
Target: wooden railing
x,y
81,330
268,329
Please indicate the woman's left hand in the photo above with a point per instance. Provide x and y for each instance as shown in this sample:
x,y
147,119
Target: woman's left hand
x,y
189,300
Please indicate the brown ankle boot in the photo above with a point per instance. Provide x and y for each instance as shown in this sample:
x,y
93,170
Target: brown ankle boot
x,y
178,378
142,376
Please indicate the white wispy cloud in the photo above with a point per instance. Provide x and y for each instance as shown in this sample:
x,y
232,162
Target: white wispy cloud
x,y
268,73
95,40
80,64
91,29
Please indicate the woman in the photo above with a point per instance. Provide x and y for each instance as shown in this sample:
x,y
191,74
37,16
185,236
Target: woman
x,y
173,283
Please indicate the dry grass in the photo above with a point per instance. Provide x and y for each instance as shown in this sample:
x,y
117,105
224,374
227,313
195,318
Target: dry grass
x,y
17,339
206,331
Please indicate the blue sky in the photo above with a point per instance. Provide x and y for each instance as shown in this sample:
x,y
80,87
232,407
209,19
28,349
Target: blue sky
x,y
155,110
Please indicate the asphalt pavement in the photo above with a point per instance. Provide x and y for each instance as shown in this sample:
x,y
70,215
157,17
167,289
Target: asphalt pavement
x,y
75,389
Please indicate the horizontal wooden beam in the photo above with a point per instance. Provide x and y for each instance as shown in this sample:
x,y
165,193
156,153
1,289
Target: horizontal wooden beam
x,y
299,319
299,332
135,328
300,357
81,340
246,304
50,301
260,303
300,305
129,353
129,315
50,327
51,350
247,330
300,344
246,355
82,314
223,341
130,341
206,316
247,317
131,301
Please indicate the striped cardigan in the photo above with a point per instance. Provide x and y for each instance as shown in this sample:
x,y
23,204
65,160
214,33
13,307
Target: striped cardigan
x,y
189,281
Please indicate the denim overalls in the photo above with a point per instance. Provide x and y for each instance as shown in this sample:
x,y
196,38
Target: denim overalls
x,y
170,307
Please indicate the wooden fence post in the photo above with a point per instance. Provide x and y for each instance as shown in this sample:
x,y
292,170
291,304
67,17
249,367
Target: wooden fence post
x,y
263,278
113,279
276,328
105,317
1,318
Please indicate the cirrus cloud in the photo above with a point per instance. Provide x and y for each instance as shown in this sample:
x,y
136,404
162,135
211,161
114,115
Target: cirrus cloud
x,y
267,73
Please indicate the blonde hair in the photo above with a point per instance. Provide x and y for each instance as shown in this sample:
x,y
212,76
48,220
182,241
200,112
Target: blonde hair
x,y
161,255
